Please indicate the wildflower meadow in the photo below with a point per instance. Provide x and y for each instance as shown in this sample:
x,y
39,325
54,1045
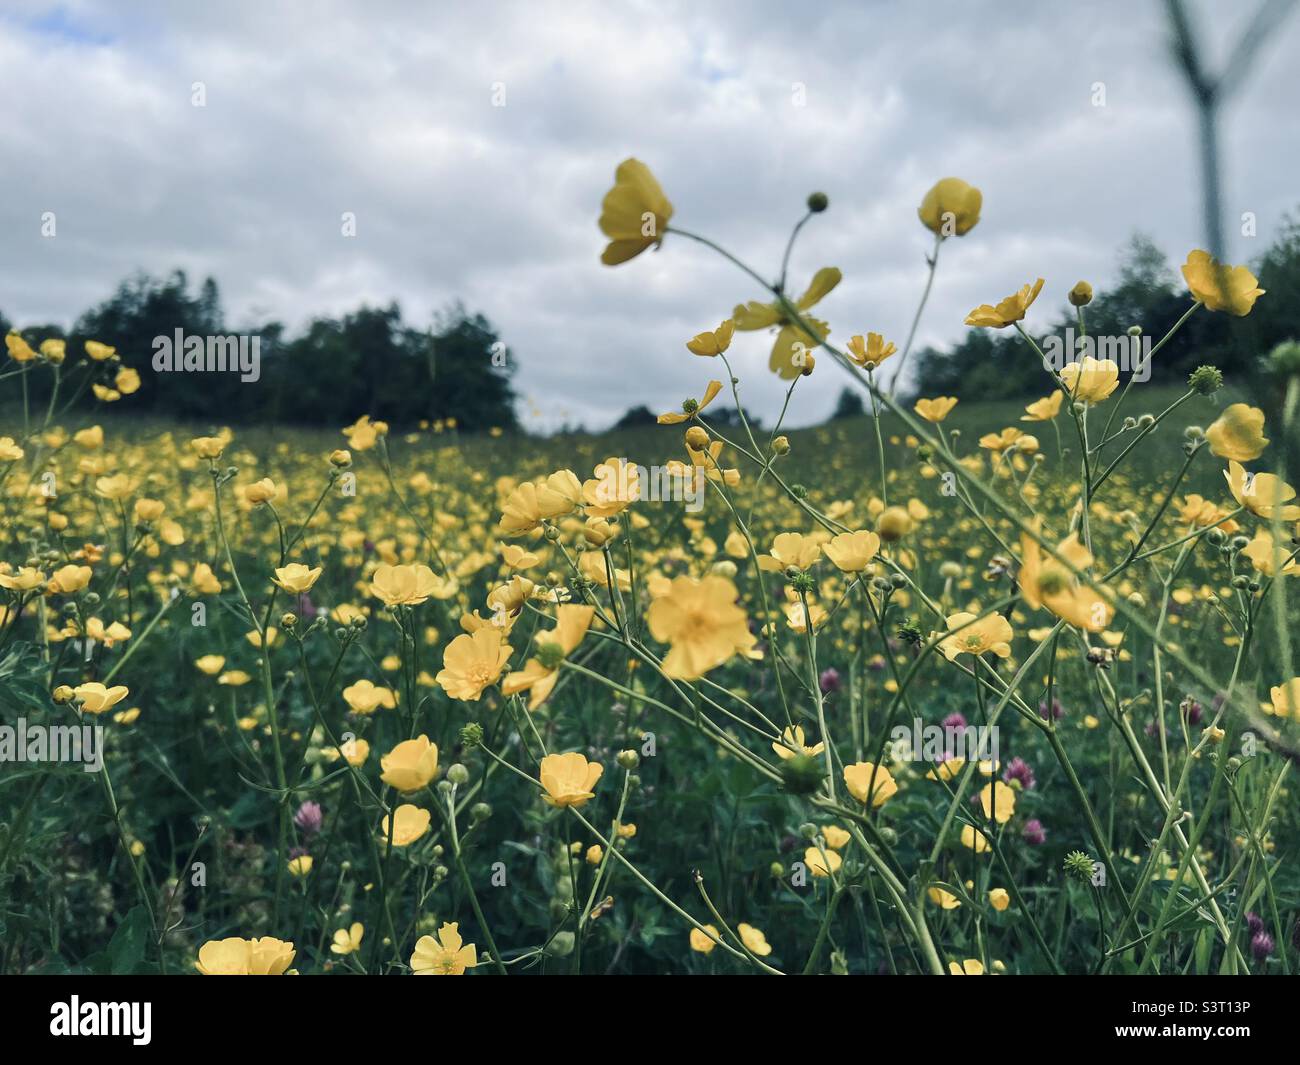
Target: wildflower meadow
x,y
949,685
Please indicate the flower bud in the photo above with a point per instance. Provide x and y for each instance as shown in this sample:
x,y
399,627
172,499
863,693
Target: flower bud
x,y
818,202
781,445
1081,294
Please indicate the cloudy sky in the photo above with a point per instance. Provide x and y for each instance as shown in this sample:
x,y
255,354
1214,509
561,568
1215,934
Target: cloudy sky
x,y
390,111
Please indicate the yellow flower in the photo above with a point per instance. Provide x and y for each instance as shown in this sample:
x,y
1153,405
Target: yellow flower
x,y
794,744
27,578
945,900
517,557
410,765
206,447
870,352
1047,582
836,837
969,967
116,487
852,552
127,381
792,350
295,578
594,854
540,674
714,343
263,491
692,407
999,899
998,801
245,957
1221,288
951,208
1044,410
363,434
95,698
210,664
473,662
1092,381
990,633
365,697
403,585
569,779
19,349
704,941
444,956
148,510
790,549
411,823
1262,556
935,410
9,450
536,501
702,623
974,839
348,940
300,866
1286,698
819,866
1008,438
99,352
864,776
754,940
204,581
1263,494
1008,311
1238,433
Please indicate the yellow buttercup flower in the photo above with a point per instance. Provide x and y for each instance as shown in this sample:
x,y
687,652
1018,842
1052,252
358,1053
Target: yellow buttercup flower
x,y
862,778
1263,494
1092,380
1047,582
210,664
1044,410
822,866
533,502
692,407
473,662
1286,698
754,940
267,956
836,837
951,208
998,801
1221,288
635,213
365,697
263,491
300,866
27,578
969,967
792,350
702,623
973,839
871,351
411,765
541,672
348,940
9,450
991,633
410,824
935,410
715,342
403,585
19,349
99,352
117,487
1238,433
945,900
852,552
999,899
295,578
569,779
445,956
793,743
703,942
95,698
790,549
1008,311
1264,556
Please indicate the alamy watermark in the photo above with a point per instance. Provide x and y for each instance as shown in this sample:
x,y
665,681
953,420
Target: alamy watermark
x,y
180,353
919,742
1132,354
22,742
630,482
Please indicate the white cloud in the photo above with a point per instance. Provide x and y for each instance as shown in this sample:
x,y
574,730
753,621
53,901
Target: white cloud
x,y
385,110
